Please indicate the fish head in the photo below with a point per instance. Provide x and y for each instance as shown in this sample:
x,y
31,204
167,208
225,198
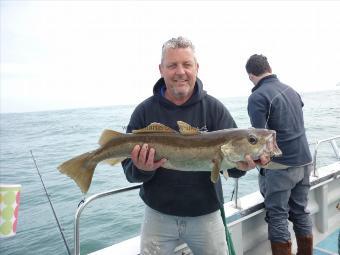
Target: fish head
x,y
253,142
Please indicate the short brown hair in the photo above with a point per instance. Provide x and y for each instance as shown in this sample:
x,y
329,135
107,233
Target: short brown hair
x,y
257,65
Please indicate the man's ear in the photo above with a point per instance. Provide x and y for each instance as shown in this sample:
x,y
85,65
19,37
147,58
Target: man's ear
x,y
251,76
160,69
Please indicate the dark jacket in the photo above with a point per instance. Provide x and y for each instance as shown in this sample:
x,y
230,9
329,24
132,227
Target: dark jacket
x,y
171,191
276,106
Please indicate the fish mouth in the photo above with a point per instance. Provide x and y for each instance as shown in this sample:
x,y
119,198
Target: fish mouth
x,y
276,153
257,161
271,155
272,147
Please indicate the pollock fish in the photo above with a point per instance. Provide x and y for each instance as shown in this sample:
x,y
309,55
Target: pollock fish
x,y
186,150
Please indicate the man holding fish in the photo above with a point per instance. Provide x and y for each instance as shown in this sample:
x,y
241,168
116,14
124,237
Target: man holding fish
x,y
168,148
183,205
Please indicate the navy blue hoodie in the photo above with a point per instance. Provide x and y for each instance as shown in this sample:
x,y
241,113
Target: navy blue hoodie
x,y
176,192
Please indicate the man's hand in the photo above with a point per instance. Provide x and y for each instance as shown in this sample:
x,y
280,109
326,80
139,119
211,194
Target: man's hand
x,y
249,163
144,158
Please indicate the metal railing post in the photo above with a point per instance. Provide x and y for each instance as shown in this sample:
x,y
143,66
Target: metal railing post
x,y
335,148
236,193
82,207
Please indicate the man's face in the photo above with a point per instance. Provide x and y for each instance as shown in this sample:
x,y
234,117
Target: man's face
x,y
179,70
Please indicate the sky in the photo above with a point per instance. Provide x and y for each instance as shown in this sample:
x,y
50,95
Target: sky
x,y
74,54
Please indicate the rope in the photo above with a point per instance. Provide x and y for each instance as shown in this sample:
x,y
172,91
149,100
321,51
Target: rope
x,y
231,249
48,197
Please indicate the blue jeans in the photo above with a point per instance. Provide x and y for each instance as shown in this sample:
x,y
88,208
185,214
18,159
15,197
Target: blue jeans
x,y
285,198
161,233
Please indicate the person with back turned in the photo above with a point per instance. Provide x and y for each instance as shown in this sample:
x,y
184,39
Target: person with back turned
x,y
276,106
180,206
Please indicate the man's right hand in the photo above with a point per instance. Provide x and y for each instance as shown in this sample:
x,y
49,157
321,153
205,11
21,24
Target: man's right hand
x,y
144,158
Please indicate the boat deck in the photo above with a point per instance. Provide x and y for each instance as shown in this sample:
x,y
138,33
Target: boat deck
x,y
329,245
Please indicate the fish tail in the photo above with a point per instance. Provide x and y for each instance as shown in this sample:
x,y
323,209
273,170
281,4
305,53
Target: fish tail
x,y
80,169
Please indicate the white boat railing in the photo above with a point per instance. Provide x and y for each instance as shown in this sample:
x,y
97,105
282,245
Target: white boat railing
x,y
335,147
84,204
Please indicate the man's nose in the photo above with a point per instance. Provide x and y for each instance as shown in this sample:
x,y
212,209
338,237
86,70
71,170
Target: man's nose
x,y
180,69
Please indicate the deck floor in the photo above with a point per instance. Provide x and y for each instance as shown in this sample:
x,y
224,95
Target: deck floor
x,y
330,245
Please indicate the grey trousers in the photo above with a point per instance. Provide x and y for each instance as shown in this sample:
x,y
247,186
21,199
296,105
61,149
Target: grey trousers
x,y
285,197
161,233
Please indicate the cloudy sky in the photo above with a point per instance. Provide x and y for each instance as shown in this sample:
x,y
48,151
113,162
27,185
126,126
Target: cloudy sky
x,y
70,54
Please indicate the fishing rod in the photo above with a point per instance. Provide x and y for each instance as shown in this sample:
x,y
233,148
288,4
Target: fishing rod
x,y
49,200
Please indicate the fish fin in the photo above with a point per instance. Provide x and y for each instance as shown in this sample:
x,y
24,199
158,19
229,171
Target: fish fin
x,y
114,161
215,173
154,128
80,169
186,129
107,135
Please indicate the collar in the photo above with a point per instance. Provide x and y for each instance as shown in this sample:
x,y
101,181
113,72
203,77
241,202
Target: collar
x,y
272,76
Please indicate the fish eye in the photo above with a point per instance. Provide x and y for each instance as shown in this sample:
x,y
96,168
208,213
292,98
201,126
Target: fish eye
x,y
252,139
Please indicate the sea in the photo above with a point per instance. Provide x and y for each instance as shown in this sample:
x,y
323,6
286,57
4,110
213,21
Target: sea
x,y
49,138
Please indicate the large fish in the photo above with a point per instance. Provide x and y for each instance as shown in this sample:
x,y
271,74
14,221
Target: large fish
x,y
186,150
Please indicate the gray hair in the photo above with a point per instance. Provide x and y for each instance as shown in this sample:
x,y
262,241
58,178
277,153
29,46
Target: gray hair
x,y
177,43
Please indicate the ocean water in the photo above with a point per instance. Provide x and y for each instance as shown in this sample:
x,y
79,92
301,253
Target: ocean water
x,y
56,136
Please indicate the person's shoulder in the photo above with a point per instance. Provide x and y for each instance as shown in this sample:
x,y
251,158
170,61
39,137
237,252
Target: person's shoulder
x,y
143,107
262,90
259,96
217,107
255,94
148,102
286,86
213,101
